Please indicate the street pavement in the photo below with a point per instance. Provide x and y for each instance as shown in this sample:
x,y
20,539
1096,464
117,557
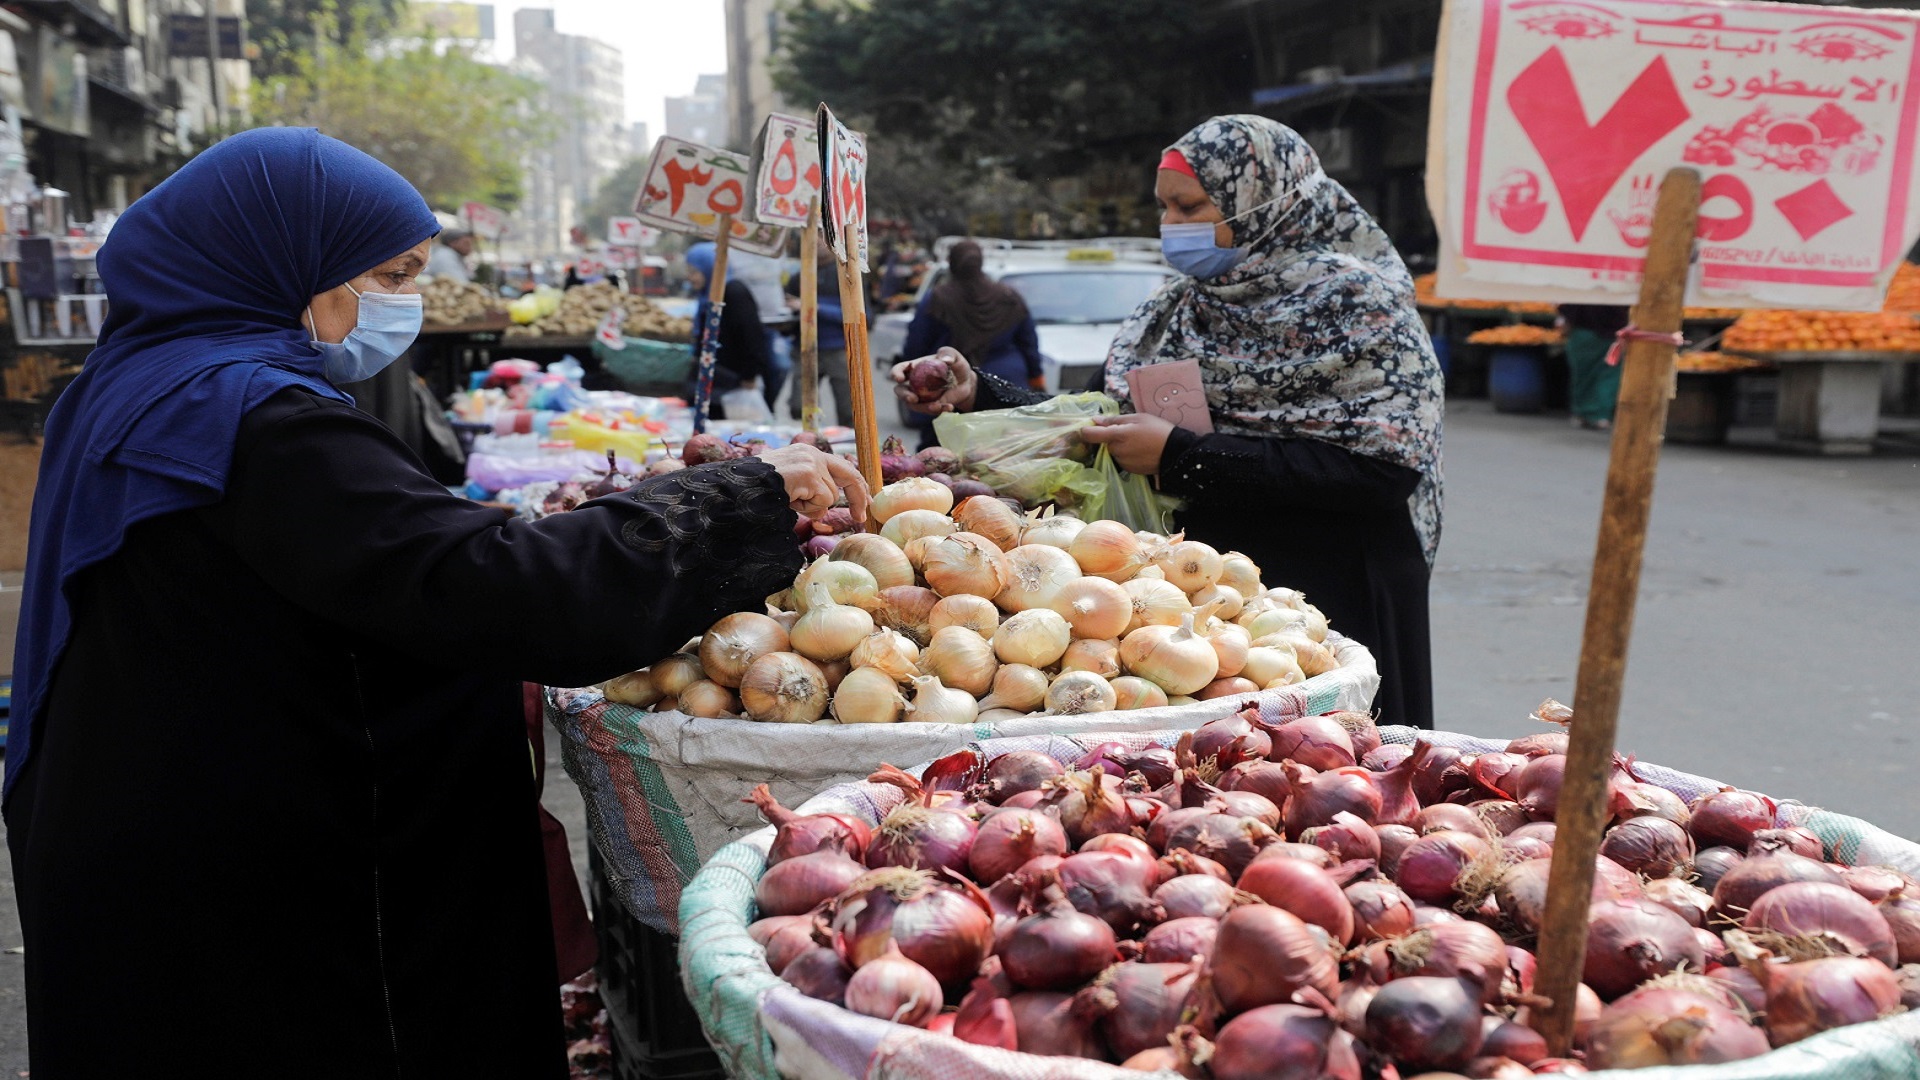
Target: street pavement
x,y
1773,646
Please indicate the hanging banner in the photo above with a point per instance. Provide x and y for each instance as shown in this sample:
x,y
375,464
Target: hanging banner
x,y
688,187
786,170
843,153
1553,121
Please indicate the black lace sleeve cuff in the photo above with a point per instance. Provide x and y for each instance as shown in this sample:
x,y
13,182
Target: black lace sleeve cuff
x,y
728,523
994,392
1192,464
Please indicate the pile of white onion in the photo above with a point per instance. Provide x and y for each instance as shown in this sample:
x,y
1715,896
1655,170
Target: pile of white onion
x,y
952,614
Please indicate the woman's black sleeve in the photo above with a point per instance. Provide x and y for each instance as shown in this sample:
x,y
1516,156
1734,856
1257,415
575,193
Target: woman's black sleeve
x,y
994,392
743,338
334,514
1218,466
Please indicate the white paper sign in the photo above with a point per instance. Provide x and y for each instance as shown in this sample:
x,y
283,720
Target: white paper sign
x,y
688,187
624,230
1555,121
786,170
844,153
484,220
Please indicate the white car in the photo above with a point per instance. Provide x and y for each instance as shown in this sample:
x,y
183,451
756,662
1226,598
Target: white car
x,y
1078,291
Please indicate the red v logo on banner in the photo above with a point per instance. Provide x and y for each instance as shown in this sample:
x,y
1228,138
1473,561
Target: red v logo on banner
x,y
1585,160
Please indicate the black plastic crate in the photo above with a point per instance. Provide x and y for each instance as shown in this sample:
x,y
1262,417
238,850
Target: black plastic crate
x,y
655,1032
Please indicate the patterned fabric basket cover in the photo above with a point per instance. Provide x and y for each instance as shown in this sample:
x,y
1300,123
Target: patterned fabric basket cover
x,y
762,1028
664,791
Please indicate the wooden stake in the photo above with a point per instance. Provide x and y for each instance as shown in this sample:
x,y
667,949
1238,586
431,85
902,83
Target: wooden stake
x,y
710,332
810,320
1639,422
853,317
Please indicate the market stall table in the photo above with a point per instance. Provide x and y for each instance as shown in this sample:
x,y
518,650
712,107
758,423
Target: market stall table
x,y
1830,400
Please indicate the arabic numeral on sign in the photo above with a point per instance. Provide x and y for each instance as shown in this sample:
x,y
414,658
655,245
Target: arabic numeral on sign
x,y
728,198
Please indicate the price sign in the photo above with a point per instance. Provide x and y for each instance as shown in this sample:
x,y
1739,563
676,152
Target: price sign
x,y
688,187
1559,120
587,266
608,333
484,220
844,155
786,170
624,256
624,230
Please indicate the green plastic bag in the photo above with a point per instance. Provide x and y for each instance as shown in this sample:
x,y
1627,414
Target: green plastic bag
x,y
1033,453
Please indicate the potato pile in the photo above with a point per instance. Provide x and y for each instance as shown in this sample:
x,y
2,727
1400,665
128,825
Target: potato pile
x,y
583,306
976,612
450,303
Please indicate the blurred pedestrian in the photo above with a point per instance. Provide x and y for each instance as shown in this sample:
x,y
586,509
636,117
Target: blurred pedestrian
x,y
742,356
1593,384
1323,465
450,253
983,320
761,274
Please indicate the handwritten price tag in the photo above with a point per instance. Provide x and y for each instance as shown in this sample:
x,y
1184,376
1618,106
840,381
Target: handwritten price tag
x,y
688,187
484,220
624,230
844,153
1561,119
786,169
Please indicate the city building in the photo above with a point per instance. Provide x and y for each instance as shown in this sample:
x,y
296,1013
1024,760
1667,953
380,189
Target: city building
x,y
702,115
586,93
753,37
639,140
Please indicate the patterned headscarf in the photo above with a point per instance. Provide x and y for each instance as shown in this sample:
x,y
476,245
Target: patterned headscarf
x,y
1315,335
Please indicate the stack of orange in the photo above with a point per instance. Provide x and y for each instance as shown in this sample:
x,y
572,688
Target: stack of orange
x,y
1712,314
1823,331
1530,307
1715,363
1904,293
1516,334
1423,289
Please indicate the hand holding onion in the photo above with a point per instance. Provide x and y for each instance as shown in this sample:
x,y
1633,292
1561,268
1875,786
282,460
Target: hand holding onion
x,y
936,384
815,481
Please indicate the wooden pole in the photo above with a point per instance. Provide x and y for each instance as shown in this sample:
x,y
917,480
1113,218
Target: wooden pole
x,y
710,330
1639,423
853,317
810,320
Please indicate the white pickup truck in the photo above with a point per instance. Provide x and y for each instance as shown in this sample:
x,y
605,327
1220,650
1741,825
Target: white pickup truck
x,y
1079,292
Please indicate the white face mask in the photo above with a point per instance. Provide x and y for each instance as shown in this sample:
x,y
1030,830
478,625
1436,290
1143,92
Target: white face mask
x,y
385,326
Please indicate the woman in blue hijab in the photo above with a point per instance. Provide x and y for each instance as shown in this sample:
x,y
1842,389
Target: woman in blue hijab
x,y
268,793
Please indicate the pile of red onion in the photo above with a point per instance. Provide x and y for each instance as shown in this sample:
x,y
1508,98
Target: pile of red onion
x,y
1298,900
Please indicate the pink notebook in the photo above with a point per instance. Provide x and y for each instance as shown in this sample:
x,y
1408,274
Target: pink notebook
x,y
1173,393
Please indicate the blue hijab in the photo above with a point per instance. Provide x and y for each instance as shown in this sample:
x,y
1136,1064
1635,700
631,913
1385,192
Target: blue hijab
x,y
701,257
208,276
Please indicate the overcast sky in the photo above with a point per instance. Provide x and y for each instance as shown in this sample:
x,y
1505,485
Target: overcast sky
x,y
666,43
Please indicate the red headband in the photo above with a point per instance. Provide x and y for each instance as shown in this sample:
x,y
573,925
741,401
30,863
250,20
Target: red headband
x,y
1177,161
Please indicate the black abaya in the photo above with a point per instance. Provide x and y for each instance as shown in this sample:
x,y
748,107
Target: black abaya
x,y
280,818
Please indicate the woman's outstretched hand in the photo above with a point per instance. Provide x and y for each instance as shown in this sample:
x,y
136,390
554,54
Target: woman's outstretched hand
x,y
958,397
1135,440
816,481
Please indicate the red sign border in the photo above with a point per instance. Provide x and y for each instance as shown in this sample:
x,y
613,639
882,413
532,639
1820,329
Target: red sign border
x,y
1893,249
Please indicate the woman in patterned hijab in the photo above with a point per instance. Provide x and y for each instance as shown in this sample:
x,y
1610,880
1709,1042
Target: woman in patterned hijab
x,y
1324,395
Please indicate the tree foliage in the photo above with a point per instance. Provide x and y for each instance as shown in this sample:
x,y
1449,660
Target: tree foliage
x,y
457,128
615,197
1041,89
283,31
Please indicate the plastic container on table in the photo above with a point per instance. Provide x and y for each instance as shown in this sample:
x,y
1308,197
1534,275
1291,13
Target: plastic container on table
x,y
762,1028
1517,379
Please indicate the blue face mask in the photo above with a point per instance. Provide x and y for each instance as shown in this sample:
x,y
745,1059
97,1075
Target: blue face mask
x,y
386,325
1190,248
